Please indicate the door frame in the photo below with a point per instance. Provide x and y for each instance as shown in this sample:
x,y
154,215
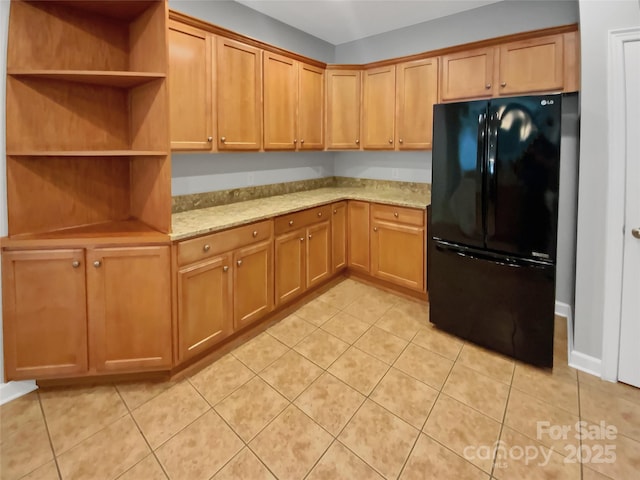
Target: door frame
x,y
615,202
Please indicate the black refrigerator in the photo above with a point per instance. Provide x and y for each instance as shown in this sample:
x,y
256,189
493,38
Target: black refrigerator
x,y
494,216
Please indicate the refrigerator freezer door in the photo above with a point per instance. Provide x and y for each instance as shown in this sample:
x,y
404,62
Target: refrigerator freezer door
x,y
523,176
459,132
498,303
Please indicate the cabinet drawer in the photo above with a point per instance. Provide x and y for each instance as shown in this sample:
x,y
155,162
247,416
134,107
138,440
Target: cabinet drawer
x,y
190,251
390,213
292,221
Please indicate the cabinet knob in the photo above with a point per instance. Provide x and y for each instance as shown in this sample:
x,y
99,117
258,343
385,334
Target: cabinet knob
x,y
335,210
357,141
503,84
255,233
390,141
401,140
395,214
309,235
302,239
295,140
97,263
225,268
302,141
206,247
223,139
209,139
375,229
487,86
239,262
290,222
75,263
319,214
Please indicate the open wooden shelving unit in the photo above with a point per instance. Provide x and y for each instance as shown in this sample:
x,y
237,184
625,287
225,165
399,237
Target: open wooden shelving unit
x,y
87,119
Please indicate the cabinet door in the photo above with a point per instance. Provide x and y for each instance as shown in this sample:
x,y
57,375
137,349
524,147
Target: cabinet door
x,y
318,253
398,253
571,54
339,236
358,216
239,96
252,283
190,84
289,266
417,92
467,75
44,313
343,109
310,107
378,108
129,306
531,65
204,306
280,102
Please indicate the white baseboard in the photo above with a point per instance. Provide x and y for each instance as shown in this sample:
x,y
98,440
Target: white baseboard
x,y
12,390
578,360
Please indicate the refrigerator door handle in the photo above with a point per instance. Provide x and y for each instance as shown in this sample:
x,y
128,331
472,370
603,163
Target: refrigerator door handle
x,y
481,168
492,179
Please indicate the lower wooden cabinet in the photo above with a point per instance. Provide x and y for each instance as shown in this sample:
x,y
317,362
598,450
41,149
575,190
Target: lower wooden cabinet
x,y
67,317
224,283
252,283
204,305
44,313
358,244
398,246
302,256
339,236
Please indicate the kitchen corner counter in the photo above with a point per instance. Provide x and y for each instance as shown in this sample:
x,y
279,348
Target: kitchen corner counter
x,y
206,220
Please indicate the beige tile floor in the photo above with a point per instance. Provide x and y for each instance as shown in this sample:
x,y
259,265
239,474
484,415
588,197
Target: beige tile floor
x,y
355,384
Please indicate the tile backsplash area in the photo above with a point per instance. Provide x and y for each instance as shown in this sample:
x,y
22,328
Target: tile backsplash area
x,y
182,203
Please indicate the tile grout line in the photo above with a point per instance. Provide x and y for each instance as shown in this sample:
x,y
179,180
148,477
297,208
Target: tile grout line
x,y
421,430
143,436
53,451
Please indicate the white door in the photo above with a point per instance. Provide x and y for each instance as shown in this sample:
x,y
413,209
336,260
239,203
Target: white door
x,y
629,358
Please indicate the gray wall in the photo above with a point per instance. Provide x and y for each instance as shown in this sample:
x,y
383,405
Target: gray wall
x,y
596,19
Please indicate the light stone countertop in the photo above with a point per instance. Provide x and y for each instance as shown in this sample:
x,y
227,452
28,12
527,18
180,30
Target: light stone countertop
x,y
205,220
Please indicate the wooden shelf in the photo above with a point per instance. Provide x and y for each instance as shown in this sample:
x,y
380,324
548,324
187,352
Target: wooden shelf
x,y
114,232
106,78
87,153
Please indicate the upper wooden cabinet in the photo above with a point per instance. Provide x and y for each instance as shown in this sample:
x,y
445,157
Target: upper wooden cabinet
x,y
293,104
343,109
191,82
531,65
467,75
416,93
310,107
239,95
378,108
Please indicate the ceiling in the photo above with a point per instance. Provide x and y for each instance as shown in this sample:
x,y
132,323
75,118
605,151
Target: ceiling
x,y
341,21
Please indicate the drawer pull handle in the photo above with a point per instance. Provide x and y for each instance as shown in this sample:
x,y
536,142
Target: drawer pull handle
x,y
487,86
75,264
319,214
225,268
335,211
97,263
255,233
395,214
503,84
206,247
375,229
290,222
239,262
